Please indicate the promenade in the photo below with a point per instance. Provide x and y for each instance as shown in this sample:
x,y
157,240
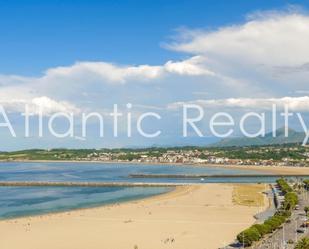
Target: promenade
x,y
287,236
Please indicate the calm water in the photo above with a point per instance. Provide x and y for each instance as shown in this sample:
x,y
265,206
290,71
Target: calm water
x,y
19,201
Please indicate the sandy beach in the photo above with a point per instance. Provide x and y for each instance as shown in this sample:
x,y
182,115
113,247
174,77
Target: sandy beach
x,y
277,170
199,217
285,170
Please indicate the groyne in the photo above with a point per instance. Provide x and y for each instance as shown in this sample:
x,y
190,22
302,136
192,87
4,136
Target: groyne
x,y
84,184
193,176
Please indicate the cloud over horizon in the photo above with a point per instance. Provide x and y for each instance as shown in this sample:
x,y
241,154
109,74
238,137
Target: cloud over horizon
x,y
254,64
253,104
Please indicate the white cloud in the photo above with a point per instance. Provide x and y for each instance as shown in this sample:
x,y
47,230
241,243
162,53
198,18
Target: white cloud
x,y
115,74
9,80
105,72
193,66
232,61
268,38
49,105
267,55
63,88
36,105
293,103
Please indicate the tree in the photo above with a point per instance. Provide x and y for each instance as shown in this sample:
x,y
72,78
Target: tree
x,y
306,209
262,228
303,244
248,236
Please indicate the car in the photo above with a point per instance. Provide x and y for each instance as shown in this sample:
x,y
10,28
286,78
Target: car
x,y
305,224
301,230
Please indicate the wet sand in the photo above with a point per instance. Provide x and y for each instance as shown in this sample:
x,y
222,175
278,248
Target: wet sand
x,y
199,217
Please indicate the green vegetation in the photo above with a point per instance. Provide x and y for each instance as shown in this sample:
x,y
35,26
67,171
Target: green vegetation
x,y
54,154
262,153
291,154
263,228
303,244
306,209
284,186
290,201
248,236
268,139
306,183
257,231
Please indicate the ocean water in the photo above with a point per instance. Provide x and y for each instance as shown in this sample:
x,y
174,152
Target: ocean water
x,y
20,201
23,201
109,172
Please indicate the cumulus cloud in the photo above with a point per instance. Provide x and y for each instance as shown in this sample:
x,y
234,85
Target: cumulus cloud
x,y
231,62
293,103
101,73
193,66
266,54
111,73
271,38
104,72
59,86
43,104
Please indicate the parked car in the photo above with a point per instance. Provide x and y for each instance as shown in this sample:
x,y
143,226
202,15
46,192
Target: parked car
x,y
301,230
305,224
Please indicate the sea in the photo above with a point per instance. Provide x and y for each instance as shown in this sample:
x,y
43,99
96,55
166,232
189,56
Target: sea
x,y
25,201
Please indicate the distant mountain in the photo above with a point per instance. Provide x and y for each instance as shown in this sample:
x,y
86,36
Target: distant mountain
x,y
268,139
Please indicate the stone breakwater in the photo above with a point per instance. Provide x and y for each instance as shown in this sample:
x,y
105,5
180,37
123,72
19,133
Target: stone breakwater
x,y
193,176
84,184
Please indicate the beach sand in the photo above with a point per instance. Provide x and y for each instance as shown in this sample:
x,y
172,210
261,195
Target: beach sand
x,y
286,170
277,170
199,217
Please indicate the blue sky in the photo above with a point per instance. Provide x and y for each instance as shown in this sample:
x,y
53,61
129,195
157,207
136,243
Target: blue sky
x,y
82,56
41,34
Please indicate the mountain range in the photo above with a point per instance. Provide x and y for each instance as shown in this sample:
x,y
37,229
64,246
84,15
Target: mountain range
x,y
268,139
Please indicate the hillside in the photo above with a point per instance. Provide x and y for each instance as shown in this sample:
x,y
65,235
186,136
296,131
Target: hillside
x,y
268,139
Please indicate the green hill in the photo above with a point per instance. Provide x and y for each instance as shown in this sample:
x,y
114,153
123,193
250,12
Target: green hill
x,y
268,139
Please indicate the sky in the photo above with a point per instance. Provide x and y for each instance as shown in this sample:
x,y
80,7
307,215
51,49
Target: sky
x,y
86,56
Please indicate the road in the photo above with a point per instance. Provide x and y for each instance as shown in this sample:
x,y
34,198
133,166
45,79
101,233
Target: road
x,y
280,238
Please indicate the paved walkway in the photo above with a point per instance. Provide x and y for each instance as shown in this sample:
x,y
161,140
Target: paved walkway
x,y
279,239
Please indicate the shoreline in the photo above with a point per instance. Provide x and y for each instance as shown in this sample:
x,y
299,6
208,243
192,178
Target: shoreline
x,y
98,205
293,170
183,214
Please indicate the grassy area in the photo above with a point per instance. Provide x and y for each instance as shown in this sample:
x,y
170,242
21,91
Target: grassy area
x,y
249,194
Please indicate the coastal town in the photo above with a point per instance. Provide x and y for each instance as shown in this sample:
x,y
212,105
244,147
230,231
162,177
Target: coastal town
x,y
268,155
260,156
196,156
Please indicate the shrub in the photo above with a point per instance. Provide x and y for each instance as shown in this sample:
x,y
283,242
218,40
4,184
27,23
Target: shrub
x,y
290,201
303,244
284,213
262,228
284,186
306,209
275,221
255,232
248,236
306,182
